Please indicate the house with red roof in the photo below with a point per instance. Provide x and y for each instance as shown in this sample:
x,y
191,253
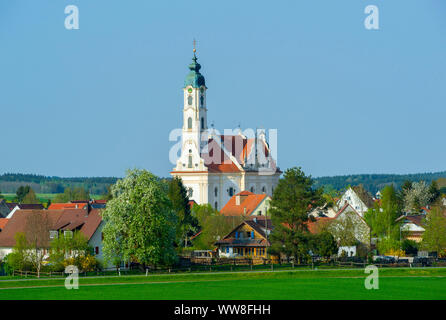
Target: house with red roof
x,y
65,221
246,203
61,206
214,166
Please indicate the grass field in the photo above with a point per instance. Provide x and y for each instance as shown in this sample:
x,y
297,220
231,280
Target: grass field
x,y
429,283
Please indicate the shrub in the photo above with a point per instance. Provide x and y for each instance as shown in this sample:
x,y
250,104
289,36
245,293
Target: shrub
x,y
410,247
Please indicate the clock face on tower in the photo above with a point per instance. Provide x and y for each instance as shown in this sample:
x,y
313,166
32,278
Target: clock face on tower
x,y
189,90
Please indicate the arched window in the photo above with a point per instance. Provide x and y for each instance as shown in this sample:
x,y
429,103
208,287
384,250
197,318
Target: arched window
x,y
201,100
263,189
202,123
216,205
216,191
189,123
189,165
231,191
189,100
252,189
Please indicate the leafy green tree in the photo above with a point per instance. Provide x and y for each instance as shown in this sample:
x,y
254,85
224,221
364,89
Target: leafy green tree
x,y
107,195
22,191
213,226
345,230
416,197
18,259
292,199
140,223
382,218
37,231
187,224
324,244
68,246
434,191
434,237
69,194
409,246
30,197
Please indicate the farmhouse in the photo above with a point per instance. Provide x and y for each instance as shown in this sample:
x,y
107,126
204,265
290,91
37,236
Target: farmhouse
x,y
359,199
89,223
248,239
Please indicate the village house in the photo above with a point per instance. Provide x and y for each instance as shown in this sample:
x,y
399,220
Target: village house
x,y
359,199
247,203
361,228
412,227
89,223
248,239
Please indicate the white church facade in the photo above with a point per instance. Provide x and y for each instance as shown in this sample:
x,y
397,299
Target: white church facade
x,y
214,167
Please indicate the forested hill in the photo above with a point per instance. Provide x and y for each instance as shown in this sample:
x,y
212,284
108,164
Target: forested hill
x,y
9,183
375,182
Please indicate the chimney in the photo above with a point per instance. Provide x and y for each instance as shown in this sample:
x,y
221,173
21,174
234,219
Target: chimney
x,y
244,210
76,206
237,200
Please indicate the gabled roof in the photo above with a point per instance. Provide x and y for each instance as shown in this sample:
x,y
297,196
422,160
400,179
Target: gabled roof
x,y
248,200
24,206
314,226
68,219
230,153
60,206
415,219
364,195
259,224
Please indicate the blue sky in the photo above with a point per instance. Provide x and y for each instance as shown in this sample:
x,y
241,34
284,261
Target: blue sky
x,y
101,99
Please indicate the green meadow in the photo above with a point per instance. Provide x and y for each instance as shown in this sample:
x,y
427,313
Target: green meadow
x,y
429,283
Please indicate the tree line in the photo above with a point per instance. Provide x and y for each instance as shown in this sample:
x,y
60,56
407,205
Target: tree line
x,y
376,182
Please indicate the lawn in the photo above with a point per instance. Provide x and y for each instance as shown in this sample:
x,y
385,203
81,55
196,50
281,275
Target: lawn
x,y
340,284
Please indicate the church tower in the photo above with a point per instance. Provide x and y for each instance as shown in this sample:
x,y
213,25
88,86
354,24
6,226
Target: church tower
x,y
194,132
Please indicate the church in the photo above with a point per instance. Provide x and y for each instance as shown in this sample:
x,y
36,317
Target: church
x,y
212,166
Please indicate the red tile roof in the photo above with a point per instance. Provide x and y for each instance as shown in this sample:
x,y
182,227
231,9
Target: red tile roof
x,y
67,219
3,222
60,206
192,203
248,200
